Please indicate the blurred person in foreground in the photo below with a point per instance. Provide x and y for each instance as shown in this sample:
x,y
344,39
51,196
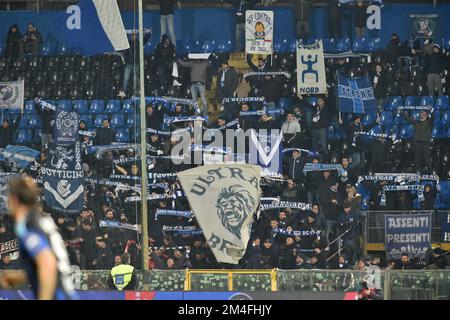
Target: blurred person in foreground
x,y
44,256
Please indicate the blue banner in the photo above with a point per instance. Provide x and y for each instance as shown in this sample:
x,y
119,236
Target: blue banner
x,y
22,156
96,26
409,233
424,25
63,179
355,95
66,127
445,226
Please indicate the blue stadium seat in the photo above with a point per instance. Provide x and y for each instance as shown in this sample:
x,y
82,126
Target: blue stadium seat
x,y
444,194
442,103
411,101
113,106
406,132
131,121
330,132
209,46
97,106
23,124
63,48
369,119
399,120
445,118
447,43
29,107
312,100
360,45
87,118
280,45
438,131
224,46
34,123
37,135
80,106
123,135
427,101
374,44
393,103
284,103
329,44
340,134
293,45
149,47
65,105
23,137
117,121
99,120
415,114
128,107
48,49
343,45
386,119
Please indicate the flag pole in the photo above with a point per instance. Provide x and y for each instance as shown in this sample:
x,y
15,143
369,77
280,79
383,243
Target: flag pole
x,y
144,180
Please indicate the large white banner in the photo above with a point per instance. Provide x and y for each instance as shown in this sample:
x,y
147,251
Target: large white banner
x,y
311,78
259,31
224,198
11,94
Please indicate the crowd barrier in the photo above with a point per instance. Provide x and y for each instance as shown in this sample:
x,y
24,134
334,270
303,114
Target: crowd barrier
x,y
260,284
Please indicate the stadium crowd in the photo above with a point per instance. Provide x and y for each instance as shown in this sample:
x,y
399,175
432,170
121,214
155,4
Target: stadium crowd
x,y
312,127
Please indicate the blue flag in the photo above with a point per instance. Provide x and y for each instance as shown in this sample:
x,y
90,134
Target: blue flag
x,y
66,127
22,156
96,26
266,150
63,179
355,95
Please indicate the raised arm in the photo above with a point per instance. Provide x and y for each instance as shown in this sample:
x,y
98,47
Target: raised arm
x,y
408,118
251,64
184,63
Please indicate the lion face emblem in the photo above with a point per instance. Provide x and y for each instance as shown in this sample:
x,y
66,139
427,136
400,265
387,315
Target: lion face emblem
x,y
234,205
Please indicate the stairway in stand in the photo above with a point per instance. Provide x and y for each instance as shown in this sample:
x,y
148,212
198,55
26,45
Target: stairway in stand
x,y
238,61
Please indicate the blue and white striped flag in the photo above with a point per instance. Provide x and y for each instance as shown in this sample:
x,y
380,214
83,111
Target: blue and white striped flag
x,y
22,156
355,95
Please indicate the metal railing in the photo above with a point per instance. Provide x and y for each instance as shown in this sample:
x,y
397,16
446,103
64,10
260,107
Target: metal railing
x,y
392,284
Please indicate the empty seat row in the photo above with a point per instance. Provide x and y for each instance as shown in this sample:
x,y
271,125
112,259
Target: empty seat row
x,y
88,107
28,136
440,102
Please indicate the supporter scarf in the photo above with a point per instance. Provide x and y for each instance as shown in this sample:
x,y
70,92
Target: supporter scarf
x,y
323,167
399,177
175,195
377,2
169,120
261,112
416,187
286,204
393,137
301,233
243,99
227,125
174,100
421,108
308,152
101,150
87,133
123,177
188,230
158,132
161,175
117,224
199,147
176,213
45,104
272,73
